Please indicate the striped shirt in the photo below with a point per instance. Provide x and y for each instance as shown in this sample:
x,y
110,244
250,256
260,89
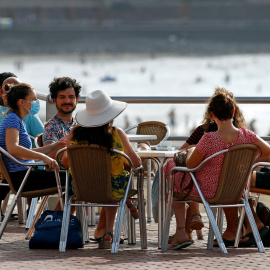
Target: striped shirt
x,y
12,120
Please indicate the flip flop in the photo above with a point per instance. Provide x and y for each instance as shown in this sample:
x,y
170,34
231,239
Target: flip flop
x,y
182,245
251,241
96,240
227,243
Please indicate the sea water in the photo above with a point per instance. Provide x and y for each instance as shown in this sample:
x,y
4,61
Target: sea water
x,y
244,75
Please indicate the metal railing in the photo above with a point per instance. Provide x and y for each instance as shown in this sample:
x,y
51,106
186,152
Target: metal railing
x,y
51,110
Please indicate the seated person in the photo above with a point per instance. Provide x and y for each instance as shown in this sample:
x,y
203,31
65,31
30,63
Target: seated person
x,y
14,138
95,126
221,108
193,218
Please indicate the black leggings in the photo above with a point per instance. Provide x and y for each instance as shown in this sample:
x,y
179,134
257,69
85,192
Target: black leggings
x,y
263,179
37,179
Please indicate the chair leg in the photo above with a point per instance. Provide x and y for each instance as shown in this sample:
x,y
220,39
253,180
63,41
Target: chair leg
x,y
142,220
118,227
5,203
85,225
240,224
213,223
167,221
65,226
211,231
220,219
254,227
21,210
149,190
37,216
13,203
31,213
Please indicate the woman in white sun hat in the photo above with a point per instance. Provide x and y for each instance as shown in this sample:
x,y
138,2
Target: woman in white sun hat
x,y
95,127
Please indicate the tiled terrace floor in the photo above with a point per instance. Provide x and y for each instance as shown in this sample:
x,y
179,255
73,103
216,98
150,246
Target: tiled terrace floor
x,y
15,254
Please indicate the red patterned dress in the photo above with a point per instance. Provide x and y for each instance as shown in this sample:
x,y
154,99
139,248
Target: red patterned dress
x,y
208,175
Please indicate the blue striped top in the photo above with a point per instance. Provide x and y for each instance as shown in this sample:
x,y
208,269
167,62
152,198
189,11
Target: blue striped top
x,y
12,120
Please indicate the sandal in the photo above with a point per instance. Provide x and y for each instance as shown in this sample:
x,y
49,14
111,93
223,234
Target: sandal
x,y
134,214
105,244
196,222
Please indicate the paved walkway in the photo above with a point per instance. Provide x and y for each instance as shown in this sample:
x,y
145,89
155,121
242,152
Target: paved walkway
x,y
15,254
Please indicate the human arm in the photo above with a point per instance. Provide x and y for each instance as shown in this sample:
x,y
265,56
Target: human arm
x,y
194,158
18,151
265,150
128,149
64,158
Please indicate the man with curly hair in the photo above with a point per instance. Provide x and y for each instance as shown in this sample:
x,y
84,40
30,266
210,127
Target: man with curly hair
x,y
65,93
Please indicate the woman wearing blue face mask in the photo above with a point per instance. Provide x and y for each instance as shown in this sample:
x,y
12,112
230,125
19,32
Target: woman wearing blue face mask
x,y
14,138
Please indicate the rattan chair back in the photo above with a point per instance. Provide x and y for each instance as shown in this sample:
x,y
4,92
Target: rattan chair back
x,y
236,168
91,173
154,128
38,140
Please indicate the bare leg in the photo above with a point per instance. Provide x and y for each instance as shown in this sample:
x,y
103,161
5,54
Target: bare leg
x,y
110,213
232,223
101,226
180,234
193,220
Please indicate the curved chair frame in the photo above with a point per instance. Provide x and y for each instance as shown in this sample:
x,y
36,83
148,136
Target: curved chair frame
x,y
28,194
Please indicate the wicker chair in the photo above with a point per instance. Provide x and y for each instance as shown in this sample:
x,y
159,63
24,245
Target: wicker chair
x,y
236,170
38,140
163,132
27,194
152,128
91,174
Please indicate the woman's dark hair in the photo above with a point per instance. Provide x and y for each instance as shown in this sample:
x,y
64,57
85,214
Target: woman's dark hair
x,y
15,92
95,135
62,83
223,105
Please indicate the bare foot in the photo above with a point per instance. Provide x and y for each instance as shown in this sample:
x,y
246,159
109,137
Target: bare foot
x,y
179,237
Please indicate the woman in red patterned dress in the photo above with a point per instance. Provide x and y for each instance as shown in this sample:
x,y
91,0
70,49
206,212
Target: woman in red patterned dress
x,y
221,107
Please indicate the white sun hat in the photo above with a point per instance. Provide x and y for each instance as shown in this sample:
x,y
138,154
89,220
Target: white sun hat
x,y
100,109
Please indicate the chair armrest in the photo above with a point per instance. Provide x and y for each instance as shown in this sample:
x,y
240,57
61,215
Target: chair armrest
x,y
21,162
185,169
58,159
130,128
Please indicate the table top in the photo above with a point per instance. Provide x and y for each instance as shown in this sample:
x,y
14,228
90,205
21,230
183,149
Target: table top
x,y
138,138
156,153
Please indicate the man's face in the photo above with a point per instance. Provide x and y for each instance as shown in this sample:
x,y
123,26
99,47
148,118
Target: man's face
x,y
66,101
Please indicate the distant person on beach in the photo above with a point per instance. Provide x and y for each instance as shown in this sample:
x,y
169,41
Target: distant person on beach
x,y
172,119
65,93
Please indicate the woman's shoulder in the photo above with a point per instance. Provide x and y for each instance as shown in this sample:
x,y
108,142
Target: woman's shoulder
x,y
246,133
12,117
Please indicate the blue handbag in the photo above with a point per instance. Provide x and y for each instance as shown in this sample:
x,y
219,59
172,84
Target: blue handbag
x,y
48,230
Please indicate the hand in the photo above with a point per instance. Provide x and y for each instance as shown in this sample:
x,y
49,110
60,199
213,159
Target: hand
x,y
61,143
52,163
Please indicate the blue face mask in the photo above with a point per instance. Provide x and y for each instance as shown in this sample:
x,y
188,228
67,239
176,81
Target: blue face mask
x,y
35,107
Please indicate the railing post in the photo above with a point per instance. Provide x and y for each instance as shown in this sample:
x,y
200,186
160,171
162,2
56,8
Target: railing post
x,y
50,108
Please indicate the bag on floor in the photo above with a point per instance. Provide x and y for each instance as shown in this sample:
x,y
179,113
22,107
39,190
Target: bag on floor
x,y
48,230
263,213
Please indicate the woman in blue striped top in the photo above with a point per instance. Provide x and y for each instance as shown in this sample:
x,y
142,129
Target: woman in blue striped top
x,y
14,138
